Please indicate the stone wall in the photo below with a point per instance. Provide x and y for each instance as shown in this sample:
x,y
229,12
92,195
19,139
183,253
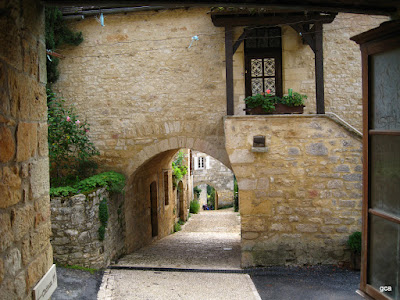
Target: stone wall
x,y
215,174
300,200
25,250
143,90
75,223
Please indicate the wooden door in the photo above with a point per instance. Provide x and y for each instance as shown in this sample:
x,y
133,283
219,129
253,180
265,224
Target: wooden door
x,y
380,273
154,209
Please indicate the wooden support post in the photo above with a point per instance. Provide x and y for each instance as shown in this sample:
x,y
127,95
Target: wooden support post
x,y
229,70
319,68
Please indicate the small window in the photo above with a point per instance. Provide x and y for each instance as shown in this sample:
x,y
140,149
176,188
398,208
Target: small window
x,y
259,141
166,188
201,162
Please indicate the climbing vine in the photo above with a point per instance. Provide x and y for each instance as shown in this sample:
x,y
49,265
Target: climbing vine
x,y
178,168
57,34
103,217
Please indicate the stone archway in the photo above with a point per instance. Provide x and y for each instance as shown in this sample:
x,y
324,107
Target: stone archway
x,y
153,167
174,143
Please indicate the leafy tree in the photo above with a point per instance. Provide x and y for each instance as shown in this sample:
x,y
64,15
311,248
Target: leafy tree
x,y
70,149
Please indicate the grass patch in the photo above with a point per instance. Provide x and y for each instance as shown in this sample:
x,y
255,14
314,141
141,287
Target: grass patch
x,y
75,267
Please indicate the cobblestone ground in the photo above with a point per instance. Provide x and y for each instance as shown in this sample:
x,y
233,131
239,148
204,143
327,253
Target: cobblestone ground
x,y
209,240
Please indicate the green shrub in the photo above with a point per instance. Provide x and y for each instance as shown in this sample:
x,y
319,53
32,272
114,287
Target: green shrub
x,y
63,191
177,227
70,149
196,192
114,182
354,242
210,197
194,207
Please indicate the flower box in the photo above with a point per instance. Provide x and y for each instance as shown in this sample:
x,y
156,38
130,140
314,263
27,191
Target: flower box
x,y
279,109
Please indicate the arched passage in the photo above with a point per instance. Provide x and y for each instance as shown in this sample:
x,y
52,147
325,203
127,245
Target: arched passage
x,y
167,200
215,150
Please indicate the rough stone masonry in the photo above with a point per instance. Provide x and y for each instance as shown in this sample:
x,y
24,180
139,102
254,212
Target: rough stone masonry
x,y
25,250
75,225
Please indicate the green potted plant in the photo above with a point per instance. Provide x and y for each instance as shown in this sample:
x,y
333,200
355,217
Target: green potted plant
x,y
262,104
292,103
354,242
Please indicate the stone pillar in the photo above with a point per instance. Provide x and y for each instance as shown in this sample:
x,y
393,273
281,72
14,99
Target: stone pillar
x,y
25,250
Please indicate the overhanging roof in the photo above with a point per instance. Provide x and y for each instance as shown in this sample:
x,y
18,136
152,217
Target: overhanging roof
x,y
374,7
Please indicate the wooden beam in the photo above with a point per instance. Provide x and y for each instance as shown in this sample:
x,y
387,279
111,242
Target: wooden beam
x,y
319,68
269,20
306,34
229,70
239,41
377,7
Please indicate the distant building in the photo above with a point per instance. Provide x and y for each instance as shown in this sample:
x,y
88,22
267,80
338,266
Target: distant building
x,y
210,171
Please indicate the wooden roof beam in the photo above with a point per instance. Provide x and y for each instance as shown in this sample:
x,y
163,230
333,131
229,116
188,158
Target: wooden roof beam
x,y
382,7
269,20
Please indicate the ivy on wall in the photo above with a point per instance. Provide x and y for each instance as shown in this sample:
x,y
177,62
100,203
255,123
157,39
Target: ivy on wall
x,y
57,34
178,168
103,217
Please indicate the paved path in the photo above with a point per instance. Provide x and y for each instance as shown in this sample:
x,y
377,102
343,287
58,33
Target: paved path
x,y
209,240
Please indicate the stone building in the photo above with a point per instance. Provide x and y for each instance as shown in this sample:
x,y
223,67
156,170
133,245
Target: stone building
x,y
148,88
209,171
151,86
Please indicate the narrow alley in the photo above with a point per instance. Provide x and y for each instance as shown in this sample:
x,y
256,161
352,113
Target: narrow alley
x,y
201,261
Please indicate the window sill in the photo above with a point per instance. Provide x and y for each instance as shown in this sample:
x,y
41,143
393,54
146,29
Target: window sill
x,y
259,149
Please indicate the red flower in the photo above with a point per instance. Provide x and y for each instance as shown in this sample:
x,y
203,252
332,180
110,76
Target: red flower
x,y
268,91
